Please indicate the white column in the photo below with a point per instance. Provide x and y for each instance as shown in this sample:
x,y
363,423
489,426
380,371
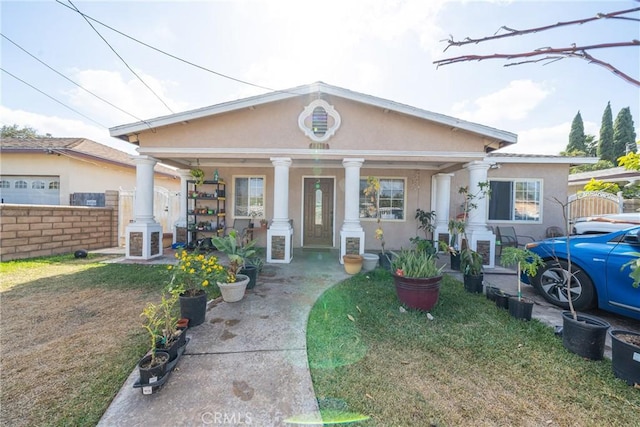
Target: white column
x,y
280,233
479,235
185,175
143,209
442,184
144,234
351,232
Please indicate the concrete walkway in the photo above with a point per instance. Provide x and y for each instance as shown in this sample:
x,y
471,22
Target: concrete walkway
x,y
247,364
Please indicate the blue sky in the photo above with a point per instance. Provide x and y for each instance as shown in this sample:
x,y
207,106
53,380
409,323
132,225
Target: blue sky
x,y
381,48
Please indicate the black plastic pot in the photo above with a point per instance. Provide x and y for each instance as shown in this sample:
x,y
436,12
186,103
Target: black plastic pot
x,y
157,371
520,308
491,291
502,300
385,260
194,308
473,284
173,348
584,336
455,261
625,357
250,271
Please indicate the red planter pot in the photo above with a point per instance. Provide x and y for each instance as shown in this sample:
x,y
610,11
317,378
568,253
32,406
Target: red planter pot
x,y
418,293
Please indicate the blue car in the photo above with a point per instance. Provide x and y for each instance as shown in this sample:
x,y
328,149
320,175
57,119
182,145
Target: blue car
x,y
599,275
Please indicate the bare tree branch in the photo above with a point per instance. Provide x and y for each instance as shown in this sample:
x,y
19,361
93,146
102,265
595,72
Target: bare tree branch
x,y
550,54
511,32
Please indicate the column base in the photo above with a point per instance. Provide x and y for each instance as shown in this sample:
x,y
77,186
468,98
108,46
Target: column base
x,y
351,242
143,241
279,245
441,234
484,242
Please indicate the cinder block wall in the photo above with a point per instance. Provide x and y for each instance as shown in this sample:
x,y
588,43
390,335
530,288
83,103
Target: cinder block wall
x,y
28,231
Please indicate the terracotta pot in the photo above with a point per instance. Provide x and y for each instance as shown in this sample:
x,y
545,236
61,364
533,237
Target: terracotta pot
x,y
418,293
352,263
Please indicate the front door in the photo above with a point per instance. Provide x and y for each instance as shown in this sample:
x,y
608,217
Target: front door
x,y
318,212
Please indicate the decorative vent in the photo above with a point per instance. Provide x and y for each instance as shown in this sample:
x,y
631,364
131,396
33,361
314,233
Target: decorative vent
x,y
319,120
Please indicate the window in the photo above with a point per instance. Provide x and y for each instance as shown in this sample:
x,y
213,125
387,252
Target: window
x,y
21,184
5,184
319,121
54,185
249,196
516,200
391,200
37,185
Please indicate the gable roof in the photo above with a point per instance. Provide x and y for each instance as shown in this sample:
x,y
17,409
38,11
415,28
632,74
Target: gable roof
x,y
125,131
75,147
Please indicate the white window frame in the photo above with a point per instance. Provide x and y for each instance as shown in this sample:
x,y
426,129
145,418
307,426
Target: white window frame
x,y
23,185
513,195
404,200
264,196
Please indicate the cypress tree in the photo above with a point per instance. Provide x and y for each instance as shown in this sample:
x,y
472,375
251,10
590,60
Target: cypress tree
x,y
624,136
605,144
577,138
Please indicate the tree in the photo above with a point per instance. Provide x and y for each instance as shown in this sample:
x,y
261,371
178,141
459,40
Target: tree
x,y
591,144
547,55
25,133
605,145
597,185
577,138
624,136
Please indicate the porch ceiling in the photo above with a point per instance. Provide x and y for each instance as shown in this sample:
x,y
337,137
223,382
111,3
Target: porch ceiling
x,y
381,159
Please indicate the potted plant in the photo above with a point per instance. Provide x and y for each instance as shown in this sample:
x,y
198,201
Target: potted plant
x,y
152,366
625,345
527,263
171,338
198,175
471,267
425,223
235,283
352,263
417,279
264,222
372,191
456,229
194,276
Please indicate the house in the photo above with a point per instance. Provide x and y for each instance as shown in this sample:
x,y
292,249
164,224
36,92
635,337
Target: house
x,y
71,171
301,157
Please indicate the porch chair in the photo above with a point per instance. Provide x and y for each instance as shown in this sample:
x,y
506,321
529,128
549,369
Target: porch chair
x,y
240,225
508,237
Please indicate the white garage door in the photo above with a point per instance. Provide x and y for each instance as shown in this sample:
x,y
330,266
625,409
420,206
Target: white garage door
x,y
30,190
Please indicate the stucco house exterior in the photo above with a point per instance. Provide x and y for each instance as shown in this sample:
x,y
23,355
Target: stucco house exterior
x,y
300,157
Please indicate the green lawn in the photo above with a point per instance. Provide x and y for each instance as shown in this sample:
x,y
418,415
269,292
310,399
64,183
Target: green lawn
x,y
70,334
471,365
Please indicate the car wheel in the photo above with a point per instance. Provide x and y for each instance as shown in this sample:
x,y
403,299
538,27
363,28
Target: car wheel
x,y
551,282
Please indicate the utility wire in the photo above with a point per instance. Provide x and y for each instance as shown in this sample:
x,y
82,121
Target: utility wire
x,y
87,17
120,57
68,79
54,99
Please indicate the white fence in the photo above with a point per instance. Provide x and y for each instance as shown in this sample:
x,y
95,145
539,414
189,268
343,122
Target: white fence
x,y
166,210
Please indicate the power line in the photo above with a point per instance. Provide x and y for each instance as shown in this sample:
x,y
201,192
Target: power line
x,y
121,58
68,79
87,17
54,99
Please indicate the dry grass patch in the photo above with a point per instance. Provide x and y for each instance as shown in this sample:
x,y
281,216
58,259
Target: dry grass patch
x,y
471,365
70,334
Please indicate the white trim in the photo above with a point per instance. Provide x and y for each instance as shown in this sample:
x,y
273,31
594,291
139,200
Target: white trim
x,y
308,112
528,158
540,219
404,202
264,195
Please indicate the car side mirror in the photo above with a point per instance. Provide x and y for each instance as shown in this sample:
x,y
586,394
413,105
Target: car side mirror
x,y
632,237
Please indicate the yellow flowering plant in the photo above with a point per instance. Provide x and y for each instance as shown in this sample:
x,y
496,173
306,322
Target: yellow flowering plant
x,y
196,272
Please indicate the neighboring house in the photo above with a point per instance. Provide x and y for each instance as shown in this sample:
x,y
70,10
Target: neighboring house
x,y
70,171
618,175
302,156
